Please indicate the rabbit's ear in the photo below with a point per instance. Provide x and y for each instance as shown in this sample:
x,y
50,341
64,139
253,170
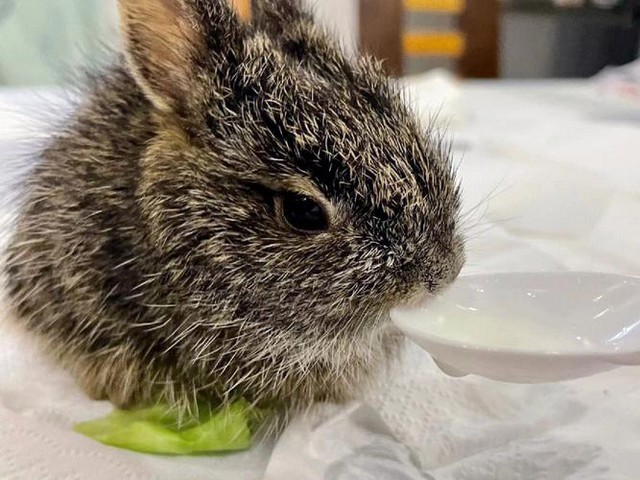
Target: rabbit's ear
x,y
293,25
166,41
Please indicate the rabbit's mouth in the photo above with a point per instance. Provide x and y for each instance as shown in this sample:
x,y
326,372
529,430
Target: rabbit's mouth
x,y
417,297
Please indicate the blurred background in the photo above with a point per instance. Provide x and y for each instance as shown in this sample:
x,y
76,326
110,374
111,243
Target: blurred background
x,y
546,149
43,40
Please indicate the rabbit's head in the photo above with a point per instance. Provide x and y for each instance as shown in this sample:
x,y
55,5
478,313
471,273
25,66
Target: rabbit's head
x,y
289,194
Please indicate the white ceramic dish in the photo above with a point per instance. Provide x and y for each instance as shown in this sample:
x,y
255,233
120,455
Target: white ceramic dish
x,y
529,327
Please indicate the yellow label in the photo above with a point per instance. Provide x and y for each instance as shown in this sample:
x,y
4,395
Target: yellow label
x,y
447,44
448,6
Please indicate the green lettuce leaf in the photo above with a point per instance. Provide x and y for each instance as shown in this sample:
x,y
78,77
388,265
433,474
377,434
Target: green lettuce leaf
x,y
158,430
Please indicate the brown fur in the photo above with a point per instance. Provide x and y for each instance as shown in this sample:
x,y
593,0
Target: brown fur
x,y
149,254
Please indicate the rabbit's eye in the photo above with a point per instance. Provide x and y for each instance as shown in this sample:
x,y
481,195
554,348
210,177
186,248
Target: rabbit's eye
x,y
303,213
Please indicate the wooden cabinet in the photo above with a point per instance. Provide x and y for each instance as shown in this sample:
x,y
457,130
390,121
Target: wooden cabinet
x,y
462,35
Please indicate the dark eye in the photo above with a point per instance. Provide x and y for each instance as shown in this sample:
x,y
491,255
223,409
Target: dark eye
x,y
303,213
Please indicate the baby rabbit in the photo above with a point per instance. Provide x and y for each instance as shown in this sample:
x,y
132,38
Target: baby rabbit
x,y
231,211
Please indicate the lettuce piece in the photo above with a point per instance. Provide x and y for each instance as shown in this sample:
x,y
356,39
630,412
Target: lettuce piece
x,y
157,430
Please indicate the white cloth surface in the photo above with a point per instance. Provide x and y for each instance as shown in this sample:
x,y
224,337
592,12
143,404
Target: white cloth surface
x,y
621,82
555,172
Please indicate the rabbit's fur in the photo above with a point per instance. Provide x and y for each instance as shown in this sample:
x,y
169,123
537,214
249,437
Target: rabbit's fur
x,y
149,255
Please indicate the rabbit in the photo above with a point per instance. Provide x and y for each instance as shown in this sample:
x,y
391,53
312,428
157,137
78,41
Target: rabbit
x,y
231,211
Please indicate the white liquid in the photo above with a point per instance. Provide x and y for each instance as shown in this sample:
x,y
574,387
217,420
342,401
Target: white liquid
x,y
502,331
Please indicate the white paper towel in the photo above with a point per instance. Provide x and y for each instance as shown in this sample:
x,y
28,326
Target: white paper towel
x,y
418,423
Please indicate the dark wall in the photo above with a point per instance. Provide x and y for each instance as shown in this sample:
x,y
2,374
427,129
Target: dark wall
x,y
544,42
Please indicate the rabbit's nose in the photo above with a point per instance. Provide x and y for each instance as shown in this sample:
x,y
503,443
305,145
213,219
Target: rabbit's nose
x,y
439,271
448,275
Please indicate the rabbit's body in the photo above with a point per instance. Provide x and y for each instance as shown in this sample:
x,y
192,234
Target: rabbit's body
x,y
160,251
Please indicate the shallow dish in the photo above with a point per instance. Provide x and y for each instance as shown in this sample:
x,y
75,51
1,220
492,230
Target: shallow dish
x,y
529,327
